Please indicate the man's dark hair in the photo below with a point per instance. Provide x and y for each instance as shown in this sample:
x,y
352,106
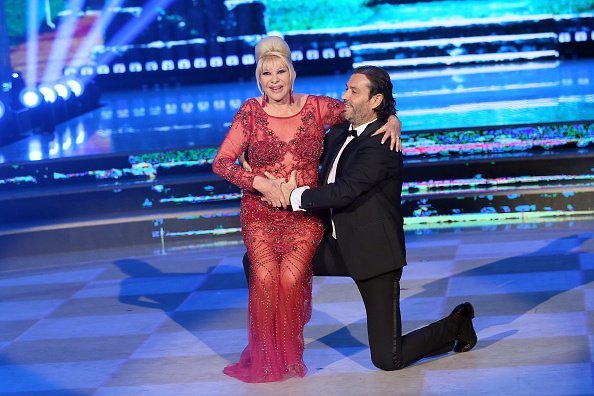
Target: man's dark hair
x,y
379,83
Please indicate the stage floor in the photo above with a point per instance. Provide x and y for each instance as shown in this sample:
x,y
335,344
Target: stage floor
x,y
131,322
171,118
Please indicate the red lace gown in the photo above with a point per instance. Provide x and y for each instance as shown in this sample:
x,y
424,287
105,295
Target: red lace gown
x,y
280,243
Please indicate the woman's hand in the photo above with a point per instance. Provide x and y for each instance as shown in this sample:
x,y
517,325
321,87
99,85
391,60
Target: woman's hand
x,y
270,188
392,130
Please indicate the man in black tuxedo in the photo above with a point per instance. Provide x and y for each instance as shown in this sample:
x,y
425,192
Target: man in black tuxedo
x,y
359,195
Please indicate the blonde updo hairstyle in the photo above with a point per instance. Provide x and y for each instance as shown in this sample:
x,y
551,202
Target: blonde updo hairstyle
x,y
273,47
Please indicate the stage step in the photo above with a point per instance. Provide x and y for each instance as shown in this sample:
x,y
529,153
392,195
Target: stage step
x,y
198,206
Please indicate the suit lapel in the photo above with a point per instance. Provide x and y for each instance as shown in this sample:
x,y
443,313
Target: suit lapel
x,y
370,129
340,133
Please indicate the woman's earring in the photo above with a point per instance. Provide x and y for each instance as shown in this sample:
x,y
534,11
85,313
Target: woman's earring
x,y
264,99
291,98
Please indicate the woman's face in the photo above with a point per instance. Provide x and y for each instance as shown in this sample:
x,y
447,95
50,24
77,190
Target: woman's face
x,y
276,80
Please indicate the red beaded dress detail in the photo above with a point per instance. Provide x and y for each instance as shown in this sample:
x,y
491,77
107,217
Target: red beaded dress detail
x,y
280,243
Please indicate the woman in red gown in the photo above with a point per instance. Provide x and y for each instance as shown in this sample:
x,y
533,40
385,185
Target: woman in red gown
x,y
282,132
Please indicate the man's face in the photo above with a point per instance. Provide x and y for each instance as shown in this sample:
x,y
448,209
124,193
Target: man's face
x,y
359,107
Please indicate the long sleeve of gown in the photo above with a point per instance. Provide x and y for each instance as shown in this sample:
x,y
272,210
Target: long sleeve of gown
x,y
331,111
233,145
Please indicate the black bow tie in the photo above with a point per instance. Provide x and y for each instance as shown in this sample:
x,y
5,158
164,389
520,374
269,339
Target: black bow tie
x,y
353,133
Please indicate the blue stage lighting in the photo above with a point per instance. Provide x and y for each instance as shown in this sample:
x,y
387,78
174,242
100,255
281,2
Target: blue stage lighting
x,y
102,69
581,36
76,86
312,54
216,61
232,60
200,63
49,94
328,53
118,68
297,55
151,66
63,90
344,52
30,98
70,71
87,71
184,64
2,109
564,37
248,59
135,67
167,65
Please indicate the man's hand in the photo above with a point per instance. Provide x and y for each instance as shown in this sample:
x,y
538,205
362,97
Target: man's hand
x,y
392,130
270,188
244,164
288,187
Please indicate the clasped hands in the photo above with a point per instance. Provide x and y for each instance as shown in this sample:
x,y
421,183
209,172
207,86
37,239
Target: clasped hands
x,y
276,191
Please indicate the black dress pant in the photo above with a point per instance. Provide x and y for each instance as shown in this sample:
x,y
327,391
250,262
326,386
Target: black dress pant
x,y
390,350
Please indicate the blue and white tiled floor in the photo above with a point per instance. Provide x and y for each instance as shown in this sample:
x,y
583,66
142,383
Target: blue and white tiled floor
x,y
134,322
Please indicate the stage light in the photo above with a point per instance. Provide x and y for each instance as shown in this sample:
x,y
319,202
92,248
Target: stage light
x,y
312,54
70,71
2,109
30,98
167,65
102,69
87,71
344,52
581,36
76,86
49,94
297,56
63,90
151,66
328,53
135,67
232,60
564,37
118,68
15,75
216,61
200,63
248,59
184,64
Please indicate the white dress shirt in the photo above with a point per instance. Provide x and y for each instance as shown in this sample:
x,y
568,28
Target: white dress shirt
x,y
296,193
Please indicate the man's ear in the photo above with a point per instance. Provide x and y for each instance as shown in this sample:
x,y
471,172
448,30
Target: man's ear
x,y
376,100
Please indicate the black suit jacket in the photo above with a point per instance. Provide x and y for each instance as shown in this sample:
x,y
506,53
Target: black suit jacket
x,y
365,199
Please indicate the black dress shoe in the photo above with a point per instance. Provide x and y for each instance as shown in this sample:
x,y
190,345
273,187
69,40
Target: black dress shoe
x,y
466,338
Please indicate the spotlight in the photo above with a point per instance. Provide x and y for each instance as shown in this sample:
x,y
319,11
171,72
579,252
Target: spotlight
x,y
297,55
564,37
70,71
49,94
87,71
63,90
2,109
30,98
76,86
328,53
135,67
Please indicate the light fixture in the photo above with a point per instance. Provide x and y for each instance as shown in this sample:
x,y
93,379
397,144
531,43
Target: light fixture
x,y
63,90
49,94
76,86
30,98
